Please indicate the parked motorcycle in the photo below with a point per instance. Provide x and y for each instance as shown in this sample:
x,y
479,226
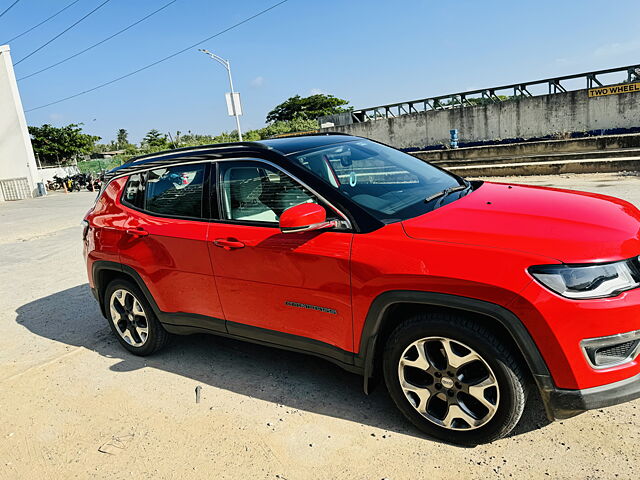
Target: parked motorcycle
x,y
53,185
75,183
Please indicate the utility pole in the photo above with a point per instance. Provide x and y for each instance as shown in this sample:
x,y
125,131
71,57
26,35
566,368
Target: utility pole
x,y
235,107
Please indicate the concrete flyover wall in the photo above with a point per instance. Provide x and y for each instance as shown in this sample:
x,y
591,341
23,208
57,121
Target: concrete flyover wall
x,y
528,117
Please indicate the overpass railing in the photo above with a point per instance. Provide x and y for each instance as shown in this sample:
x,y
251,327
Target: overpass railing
x,y
484,96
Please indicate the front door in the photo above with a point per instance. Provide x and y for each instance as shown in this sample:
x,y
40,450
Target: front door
x,y
294,283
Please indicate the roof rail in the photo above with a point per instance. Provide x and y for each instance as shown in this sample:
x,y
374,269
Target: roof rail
x,y
308,133
210,146
195,149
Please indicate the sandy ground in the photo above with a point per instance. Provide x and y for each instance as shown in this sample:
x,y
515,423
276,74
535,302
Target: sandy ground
x,y
74,404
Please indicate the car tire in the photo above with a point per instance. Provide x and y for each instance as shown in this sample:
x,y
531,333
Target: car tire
x,y
453,379
131,318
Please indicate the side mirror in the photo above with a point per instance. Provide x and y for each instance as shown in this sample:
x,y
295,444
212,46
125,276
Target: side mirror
x,y
305,218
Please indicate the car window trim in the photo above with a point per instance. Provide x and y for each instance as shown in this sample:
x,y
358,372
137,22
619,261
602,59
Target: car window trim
x,y
156,167
205,209
346,222
159,215
212,200
202,216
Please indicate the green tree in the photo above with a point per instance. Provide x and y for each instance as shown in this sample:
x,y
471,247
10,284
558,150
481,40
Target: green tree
x,y
101,147
61,144
226,137
131,149
193,139
291,126
252,136
154,140
122,139
308,108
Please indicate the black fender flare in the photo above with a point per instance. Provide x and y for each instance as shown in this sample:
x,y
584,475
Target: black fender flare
x,y
102,265
519,333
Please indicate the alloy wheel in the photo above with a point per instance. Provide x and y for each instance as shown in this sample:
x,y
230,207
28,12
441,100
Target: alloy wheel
x,y
448,383
129,318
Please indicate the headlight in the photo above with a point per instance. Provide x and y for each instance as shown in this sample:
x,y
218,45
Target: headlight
x,y
589,281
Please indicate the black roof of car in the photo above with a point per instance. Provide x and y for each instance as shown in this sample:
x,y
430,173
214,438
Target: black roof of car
x,y
299,143
283,145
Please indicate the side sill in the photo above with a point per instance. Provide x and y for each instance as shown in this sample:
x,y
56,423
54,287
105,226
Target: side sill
x,y
191,320
293,342
269,338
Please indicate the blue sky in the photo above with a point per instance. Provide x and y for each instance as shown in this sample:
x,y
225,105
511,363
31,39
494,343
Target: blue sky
x,y
370,52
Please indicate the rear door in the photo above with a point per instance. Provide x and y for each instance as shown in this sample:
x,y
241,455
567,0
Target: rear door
x,y
166,242
294,283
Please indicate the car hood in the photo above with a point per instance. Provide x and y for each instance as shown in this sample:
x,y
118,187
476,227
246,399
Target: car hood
x,y
572,227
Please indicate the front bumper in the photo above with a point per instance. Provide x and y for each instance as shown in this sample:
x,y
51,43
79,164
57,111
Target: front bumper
x,y
561,403
560,327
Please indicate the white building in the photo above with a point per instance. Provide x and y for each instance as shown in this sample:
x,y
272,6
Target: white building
x,y
18,169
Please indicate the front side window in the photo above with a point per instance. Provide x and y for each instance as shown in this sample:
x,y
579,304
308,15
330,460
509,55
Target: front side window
x,y
388,183
175,191
256,192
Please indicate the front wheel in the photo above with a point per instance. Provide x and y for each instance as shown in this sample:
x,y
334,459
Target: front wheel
x,y
453,379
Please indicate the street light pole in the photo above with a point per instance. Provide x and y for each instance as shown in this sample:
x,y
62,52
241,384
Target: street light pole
x,y
226,64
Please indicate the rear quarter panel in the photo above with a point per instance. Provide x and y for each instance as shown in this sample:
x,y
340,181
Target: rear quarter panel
x,y
106,221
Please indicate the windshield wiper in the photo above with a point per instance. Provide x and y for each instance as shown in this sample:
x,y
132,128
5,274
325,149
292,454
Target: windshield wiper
x,y
444,193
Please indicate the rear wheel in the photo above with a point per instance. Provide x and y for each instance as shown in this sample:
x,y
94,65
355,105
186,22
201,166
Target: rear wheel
x,y
132,319
453,379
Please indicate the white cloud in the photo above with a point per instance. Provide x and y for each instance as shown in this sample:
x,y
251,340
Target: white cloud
x,y
317,91
614,49
55,117
257,82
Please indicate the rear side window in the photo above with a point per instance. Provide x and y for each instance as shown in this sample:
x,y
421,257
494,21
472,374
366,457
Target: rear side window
x,y
134,191
175,191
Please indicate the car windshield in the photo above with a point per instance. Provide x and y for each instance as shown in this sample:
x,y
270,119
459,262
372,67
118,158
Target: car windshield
x,y
389,184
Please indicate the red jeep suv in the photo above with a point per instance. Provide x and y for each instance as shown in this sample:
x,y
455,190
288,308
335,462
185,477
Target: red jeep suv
x,y
462,295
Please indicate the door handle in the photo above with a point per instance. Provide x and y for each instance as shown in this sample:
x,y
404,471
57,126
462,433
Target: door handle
x,y
136,232
228,244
